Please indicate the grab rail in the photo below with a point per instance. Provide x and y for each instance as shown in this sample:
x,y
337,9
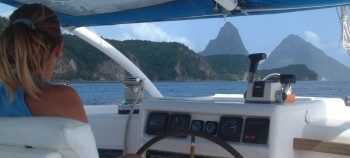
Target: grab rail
x,y
321,146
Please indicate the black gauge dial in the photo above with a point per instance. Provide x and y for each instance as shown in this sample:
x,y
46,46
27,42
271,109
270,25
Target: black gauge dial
x,y
211,127
197,125
179,122
230,128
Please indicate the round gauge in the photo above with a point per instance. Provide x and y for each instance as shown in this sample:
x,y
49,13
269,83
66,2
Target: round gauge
x,y
179,122
197,125
230,128
211,127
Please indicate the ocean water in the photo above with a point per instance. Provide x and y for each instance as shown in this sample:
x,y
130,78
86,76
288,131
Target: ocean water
x,y
112,92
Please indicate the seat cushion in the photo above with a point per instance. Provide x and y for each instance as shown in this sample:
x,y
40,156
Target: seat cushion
x,y
70,138
19,152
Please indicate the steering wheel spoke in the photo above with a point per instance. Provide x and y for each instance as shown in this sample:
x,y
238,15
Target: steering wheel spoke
x,y
193,146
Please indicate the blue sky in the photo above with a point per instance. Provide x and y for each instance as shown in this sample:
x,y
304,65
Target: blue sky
x,y
260,33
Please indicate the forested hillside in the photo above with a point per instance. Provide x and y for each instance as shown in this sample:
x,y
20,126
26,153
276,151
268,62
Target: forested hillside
x,y
229,66
160,61
301,72
166,60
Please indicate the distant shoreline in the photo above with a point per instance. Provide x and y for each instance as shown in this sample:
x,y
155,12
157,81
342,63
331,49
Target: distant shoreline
x,y
87,81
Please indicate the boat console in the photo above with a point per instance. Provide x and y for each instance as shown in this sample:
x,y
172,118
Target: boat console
x,y
253,129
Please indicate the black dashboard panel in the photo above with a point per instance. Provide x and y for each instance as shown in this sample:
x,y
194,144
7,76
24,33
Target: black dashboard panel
x,y
157,123
230,128
256,130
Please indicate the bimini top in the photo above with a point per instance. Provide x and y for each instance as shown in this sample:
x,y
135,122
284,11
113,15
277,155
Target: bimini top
x,y
108,12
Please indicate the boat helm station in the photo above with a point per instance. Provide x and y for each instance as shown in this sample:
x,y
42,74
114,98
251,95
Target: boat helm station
x,y
267,121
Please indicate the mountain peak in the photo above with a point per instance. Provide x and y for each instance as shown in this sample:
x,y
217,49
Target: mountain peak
x,y
294,38
295,50
228,41
228,24
228,27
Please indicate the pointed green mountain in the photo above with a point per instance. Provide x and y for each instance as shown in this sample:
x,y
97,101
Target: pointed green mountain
x,y
228,41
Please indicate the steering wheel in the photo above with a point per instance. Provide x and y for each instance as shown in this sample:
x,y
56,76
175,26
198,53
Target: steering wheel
x,y
212,138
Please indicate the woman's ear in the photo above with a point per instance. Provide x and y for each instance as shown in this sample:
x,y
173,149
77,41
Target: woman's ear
x,y
59,48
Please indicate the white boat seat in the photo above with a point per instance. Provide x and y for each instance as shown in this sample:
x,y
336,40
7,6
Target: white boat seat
x,y
46,137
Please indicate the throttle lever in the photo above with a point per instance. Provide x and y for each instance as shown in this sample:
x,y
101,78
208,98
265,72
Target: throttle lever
x,y
254,62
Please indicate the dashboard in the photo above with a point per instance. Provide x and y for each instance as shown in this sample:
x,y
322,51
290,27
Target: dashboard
x,y
229,128
246,127
254,130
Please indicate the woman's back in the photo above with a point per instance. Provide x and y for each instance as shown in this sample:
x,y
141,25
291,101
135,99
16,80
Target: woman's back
x,y
57,100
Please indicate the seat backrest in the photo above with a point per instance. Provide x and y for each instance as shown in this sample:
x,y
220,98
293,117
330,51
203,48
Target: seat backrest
x,y
47,137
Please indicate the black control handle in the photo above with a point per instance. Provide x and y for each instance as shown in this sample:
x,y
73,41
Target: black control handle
x,y
287,79
254,61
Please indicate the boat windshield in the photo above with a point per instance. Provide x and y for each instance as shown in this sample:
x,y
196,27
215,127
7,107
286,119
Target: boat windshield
x,y
206,37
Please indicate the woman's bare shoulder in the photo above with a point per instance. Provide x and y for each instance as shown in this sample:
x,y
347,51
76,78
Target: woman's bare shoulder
x,y
61,94
62,90
58,100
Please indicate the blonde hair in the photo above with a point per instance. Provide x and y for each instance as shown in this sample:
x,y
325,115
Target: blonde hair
x,y
25,49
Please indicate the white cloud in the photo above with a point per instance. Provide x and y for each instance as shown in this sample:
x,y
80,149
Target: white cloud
x,y
314,39
150,32
332,49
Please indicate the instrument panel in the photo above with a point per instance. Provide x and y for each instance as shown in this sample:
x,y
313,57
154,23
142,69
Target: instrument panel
x,y
229,128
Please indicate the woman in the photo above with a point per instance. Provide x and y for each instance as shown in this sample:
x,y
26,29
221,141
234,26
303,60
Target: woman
x,y
29,49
